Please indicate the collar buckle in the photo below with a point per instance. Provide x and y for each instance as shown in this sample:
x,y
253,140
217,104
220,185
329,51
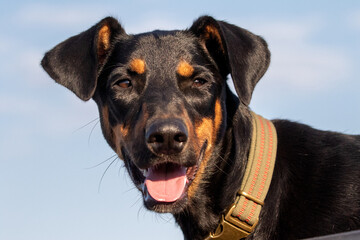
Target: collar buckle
x,y
231,227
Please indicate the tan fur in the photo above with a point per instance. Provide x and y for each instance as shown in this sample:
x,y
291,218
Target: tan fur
x,y
184,69
103,44
218,117
138,66
207,129
212,32
120,134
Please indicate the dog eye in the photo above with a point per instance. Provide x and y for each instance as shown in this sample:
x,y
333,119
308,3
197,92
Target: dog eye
x,y
123,83
198,82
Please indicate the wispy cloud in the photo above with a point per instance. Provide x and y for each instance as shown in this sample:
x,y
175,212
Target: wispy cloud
x,y
298,61
27,59
58,15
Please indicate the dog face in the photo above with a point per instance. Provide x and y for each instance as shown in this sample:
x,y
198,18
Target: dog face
x,y
162,115
162,97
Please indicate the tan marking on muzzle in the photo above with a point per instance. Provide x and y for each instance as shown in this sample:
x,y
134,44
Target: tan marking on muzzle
x,y
207,129
115,135
120,133
203,133
217,119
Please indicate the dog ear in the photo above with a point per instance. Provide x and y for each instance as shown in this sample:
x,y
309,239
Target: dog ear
x,y
76,62
236,51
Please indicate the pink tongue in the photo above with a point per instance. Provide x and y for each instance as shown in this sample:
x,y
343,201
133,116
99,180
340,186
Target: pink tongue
x,y
166,183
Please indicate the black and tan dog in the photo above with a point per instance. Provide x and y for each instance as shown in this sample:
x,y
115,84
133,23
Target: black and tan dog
x,y
167,111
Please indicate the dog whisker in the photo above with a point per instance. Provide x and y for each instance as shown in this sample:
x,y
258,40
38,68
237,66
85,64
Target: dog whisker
x,y
102,177
140,209
136,202
92,131
223,160
87,124
162,218
220,169
122,167
129,190
165,217
108,159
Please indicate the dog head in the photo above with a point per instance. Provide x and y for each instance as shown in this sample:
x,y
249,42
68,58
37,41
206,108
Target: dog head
x,y
162,97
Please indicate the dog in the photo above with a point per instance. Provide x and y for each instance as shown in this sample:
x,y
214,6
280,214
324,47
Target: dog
x,y
166,109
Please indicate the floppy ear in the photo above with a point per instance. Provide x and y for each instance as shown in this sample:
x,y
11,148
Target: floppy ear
x,y
236,51
76,62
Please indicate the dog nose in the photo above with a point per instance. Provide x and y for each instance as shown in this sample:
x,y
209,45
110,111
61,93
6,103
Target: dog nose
x,y
166,136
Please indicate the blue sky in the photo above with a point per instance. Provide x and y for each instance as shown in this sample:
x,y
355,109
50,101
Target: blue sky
x,y
48,189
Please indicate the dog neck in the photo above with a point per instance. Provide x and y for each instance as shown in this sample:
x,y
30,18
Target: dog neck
x,y
211,200
242,217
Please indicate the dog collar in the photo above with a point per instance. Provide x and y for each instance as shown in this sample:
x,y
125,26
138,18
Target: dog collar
x,y
242,217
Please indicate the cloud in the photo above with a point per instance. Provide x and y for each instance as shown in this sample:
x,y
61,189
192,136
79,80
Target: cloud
x,y
353,19
22,61
297,61
308,67
300,62
59,16
29,62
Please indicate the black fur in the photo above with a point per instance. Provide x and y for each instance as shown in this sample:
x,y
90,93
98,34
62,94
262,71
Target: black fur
x,y
316,183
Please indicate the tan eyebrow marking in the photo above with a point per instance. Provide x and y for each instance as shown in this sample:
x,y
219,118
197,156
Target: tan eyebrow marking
x,y
138,65
184,69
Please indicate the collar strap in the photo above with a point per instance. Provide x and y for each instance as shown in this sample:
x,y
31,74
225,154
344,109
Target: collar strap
x,y
242,217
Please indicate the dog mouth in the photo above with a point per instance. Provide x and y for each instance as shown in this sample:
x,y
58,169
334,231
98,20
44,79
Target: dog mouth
x,y
167,183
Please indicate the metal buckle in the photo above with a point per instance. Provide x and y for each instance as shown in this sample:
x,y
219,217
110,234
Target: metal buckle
x,y
231,227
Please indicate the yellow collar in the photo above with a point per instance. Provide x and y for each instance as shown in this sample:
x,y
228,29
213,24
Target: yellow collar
x,y
242,217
